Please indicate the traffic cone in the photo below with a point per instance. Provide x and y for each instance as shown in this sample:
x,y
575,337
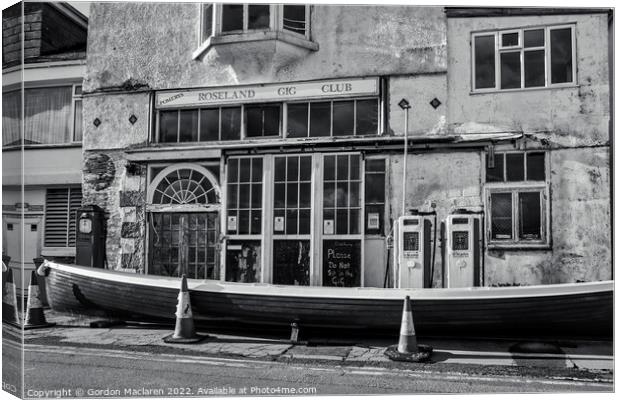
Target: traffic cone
x,y
9,301
408,348
184,330
35,318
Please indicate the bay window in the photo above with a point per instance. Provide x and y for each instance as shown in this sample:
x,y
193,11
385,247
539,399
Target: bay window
x,y
524,58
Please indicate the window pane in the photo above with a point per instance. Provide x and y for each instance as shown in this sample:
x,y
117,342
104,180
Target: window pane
x,y
305,168
258,16
320,114
342,221
375,188
510,70
534,38
375,165
279,195
231,123
343,118
342,168
341,194
257,169
188,129
291,222
354,194
244,168
207,21
257,195
209,124
291,195
11,118
355,167
297,120
47,115
496,174
529,216
536,166
534,64
294,18
168,126
354,222
305,195
329,173
328,194
232,196
280,169
77,121
514,167
510,39
501,216
561,55
367,118
262,120
232,17
304,222
244,195
256,222
233,170
292,168
484,54
244,222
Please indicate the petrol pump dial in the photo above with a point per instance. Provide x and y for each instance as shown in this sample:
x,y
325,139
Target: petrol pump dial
x,y
86,224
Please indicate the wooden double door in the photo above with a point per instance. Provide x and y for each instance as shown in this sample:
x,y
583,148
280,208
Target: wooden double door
x,y
184,243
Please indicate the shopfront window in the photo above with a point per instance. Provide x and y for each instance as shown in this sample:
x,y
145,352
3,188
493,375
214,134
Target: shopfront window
x,y
292,219
244,219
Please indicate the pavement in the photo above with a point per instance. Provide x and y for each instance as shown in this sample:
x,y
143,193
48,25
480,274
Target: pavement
x,y
562,359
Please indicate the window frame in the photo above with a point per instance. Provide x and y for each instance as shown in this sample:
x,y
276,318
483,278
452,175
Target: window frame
x,y
516,187
74,98
70,217
276,22
498,50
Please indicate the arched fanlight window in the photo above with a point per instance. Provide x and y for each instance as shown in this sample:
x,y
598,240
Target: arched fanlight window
x,y
184,184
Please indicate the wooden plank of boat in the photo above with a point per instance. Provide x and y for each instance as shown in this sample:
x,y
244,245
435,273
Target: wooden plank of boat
x,y
583,308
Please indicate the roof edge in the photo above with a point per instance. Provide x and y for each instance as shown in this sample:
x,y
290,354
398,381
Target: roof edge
x,y
474,12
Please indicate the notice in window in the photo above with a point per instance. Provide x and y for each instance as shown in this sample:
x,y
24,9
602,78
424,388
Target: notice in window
x,y
341,263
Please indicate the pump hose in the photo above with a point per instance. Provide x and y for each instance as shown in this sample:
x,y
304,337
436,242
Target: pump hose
x,y
434,250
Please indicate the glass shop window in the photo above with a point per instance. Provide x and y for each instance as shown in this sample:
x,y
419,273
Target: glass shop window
x,y
528,58
333,118
262,120
374,195
244,196
341,194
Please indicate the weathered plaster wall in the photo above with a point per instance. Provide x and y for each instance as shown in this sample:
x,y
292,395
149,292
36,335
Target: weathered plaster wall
x,y
419,90
151,44
568,116
113,111
580,226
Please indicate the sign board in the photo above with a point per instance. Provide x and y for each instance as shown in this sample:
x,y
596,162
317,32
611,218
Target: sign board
x,y
333,88
341,263
232,223
278,224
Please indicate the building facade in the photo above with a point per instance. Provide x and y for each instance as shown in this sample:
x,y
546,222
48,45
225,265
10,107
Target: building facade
x,y
41,148
265,143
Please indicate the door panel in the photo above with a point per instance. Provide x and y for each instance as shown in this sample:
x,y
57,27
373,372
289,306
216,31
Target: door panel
x,y
184,243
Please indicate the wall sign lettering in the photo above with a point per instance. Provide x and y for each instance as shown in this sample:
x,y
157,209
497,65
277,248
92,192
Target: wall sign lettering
x,y
269,92
341,263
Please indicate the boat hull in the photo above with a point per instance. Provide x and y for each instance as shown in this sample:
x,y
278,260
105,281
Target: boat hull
x,y
445,312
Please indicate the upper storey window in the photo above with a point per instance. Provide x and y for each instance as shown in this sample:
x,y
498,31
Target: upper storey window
x,y
231,23
524,58
52,115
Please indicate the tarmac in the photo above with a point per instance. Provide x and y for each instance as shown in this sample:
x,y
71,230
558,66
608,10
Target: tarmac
x,y
564,359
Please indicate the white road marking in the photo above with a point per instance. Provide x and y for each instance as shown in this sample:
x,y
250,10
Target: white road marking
x,y
245,363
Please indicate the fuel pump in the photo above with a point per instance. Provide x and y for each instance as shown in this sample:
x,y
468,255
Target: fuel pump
x,y
90,237
413,253
463,249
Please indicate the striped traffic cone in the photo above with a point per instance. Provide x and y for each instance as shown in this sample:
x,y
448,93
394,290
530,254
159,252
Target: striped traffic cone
x,y
184,330
35,317
9,301
408,348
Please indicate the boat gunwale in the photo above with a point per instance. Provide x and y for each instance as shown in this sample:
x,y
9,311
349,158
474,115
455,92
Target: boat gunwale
x,y
361,293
